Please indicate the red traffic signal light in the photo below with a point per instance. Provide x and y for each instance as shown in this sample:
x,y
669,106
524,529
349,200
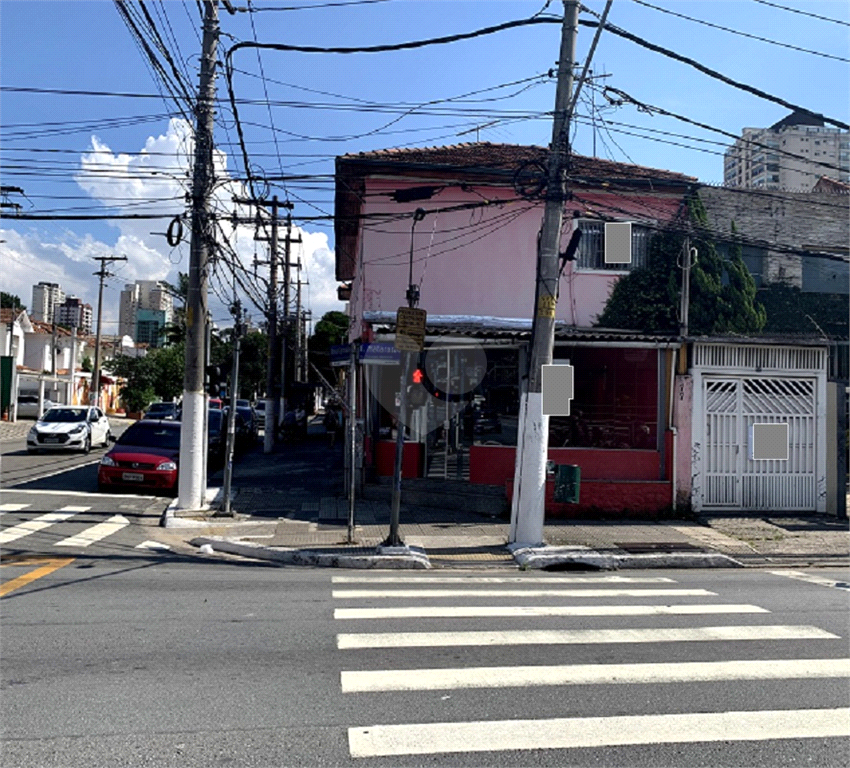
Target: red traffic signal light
x,y
416,378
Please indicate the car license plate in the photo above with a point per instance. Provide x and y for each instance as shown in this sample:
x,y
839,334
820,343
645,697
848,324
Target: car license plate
x,y
52,439
134,477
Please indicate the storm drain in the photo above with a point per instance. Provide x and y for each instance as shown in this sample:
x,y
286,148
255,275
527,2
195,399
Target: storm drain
x,y
648,548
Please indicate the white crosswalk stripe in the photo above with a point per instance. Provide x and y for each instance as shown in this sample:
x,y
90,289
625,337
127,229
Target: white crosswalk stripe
x,y
10,507
501,580
590,674
581,636
594,597
39,523
95,532
357,594
566,733
523,611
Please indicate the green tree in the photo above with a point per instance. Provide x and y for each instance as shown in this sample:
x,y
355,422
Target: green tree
x,y
87,364
723,293
330,330
10,301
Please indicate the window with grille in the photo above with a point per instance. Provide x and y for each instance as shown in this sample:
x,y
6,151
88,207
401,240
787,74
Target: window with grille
x,y
591,250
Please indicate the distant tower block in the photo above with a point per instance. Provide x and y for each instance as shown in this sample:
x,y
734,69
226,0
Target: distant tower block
x,y
769,442
618,242
557,383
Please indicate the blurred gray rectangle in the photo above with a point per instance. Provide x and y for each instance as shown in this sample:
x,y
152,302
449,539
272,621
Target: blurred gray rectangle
x,y
618,242
769,442
557,389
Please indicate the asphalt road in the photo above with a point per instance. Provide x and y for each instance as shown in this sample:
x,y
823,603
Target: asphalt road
x,y
153,660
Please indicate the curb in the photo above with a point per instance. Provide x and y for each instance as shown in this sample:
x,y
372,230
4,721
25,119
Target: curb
x,y
169,519
566,557
395,557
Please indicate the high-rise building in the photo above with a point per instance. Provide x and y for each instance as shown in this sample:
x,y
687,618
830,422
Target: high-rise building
x,y
791,155
74,312
146,307
45,298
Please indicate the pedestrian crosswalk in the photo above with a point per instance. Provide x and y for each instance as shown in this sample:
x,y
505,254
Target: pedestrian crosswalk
x,y
82,537
408,619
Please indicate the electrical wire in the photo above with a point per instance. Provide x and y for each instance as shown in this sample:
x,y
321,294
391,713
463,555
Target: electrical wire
x,y
803,13
711,72
739,32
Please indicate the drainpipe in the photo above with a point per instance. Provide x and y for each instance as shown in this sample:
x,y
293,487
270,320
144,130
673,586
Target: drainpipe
x,y
673,429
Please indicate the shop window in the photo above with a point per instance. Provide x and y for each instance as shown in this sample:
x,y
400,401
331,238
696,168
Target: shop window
x,y
615,400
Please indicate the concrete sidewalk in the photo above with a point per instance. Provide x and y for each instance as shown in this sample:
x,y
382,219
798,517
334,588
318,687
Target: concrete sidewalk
x,y
289,507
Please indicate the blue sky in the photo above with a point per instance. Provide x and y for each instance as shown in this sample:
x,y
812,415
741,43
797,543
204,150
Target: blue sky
x,y
116,154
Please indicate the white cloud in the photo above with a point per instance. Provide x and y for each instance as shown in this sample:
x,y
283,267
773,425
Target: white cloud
x,y
154,181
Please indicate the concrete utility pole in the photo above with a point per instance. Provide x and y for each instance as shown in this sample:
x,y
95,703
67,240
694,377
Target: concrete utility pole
x,y
527,514
272,398
94,392
271,418
193,441
288,359
231,415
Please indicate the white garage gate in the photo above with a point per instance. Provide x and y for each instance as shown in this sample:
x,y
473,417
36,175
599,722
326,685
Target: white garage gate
x,y
759,385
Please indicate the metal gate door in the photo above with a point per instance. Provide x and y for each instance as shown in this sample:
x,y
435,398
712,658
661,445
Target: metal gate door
x,y
732,478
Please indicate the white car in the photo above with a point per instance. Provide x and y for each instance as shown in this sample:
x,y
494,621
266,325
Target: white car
x,y
28,406
69,428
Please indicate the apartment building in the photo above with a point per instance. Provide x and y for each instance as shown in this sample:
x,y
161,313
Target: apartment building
x,y
791,155
74,312
146,307
45,298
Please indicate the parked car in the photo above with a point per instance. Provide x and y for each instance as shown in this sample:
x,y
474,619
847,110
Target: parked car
x,y
69,428
260,413
486,420
216,436
28,406
247,432
163,411
145,456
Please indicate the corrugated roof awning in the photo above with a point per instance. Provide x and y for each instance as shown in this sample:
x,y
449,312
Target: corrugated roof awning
x,y
518,329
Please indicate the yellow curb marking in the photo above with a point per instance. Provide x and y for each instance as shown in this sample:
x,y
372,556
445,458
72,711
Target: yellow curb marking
x,y
47,567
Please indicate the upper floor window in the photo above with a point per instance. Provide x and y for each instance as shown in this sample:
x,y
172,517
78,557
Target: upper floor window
x,y
591,250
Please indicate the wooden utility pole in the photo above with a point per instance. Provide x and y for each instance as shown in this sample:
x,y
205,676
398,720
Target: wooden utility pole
x,y
94,392
527,513
193,440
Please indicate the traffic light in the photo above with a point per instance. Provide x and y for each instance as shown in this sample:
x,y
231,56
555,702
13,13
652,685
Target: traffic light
x,y
417,395
214,380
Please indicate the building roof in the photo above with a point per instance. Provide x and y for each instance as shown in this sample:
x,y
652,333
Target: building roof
x,y
828,184
488,157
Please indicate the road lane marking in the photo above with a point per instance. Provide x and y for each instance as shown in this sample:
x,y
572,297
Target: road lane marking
x,y
87,494
12,507
95,532
503,579
590,674
521,611
21,581
68,468
578,732
36,524
813,578
580,636
382,594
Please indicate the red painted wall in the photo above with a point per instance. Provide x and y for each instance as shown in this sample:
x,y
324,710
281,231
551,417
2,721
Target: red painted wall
x,y
614,496
411,461
494,464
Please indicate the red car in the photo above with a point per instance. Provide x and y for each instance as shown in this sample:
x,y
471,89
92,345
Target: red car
x,y
145,457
